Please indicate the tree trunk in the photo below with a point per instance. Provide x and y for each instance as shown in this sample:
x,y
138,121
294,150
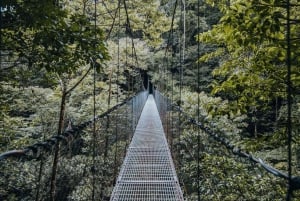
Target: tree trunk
x,y
57,145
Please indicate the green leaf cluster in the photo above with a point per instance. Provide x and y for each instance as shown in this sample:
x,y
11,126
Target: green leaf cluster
x,y
252,52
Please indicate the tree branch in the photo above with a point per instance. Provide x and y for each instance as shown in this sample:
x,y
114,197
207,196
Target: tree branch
x,y
81,79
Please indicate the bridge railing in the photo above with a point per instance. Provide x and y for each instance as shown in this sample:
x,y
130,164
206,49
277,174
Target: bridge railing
x,y
171,121
209,165
26,174
164,107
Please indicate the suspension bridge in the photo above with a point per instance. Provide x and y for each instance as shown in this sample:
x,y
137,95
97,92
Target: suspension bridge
x,y
142,169
131,152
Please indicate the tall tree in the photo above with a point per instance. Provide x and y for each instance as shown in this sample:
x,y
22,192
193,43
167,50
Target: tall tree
x,y
251,48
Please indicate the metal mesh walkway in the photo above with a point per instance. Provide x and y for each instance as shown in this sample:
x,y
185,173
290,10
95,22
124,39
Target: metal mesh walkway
x,y
148,173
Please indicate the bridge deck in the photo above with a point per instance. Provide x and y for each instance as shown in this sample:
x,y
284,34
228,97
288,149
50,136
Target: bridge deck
x,y
148,173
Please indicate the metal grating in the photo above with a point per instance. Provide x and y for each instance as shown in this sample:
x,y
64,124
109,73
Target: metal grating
x,y
148,173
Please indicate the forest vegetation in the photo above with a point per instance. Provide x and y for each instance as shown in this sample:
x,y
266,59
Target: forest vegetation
x,y
223,62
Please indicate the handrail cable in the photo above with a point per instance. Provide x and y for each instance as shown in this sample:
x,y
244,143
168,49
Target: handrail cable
x,y
32,151
294,180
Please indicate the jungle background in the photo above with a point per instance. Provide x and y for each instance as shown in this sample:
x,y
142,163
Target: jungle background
x,y
228,55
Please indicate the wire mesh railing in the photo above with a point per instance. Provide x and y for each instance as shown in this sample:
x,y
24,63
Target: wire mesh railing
x,y
225,170
26,174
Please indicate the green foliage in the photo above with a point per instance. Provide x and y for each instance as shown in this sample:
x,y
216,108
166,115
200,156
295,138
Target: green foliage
x,y
166,64
149,20
232,180
223,176
251,51
215,114
21,118
56,40
251,68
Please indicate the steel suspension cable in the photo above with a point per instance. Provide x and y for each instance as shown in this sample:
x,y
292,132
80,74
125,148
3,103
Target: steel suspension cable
x,y
180,33
289,101
129,115
94,134
170,40
172,100
181,63
182,52
172,27
165,89
117,98
126,61
198,104
129,30
132,77
172,86
94,107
